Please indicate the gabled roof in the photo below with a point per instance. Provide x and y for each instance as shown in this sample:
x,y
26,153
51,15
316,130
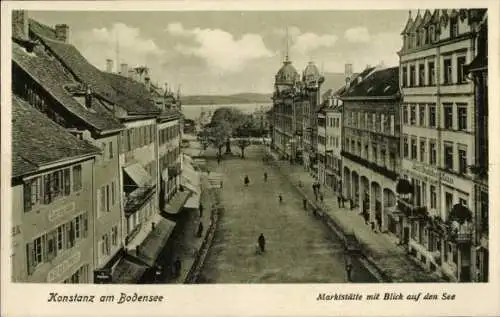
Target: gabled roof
x,y
380,83
416,23
38,141
354,81
426,19
131,95
42,29
53,78
408,26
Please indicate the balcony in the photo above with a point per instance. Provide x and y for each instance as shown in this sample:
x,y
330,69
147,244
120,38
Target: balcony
x,y
138,198
411,211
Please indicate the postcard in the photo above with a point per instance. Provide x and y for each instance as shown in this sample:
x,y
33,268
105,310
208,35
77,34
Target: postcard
x,y
249,158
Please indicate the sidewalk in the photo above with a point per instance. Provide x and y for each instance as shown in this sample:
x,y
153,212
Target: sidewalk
x,y
191,244
380,248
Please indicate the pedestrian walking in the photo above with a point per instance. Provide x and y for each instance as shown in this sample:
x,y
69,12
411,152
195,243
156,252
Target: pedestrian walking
x,y
218,159
280,198
351,203
339,201
201,210
304,203
262,243
177,267
247,180
265,177
321,197
316,196
348,267
221,184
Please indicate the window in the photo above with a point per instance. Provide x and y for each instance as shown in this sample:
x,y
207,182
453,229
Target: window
x,y
448,116
412,76
105,245
101,201
421,75
462,117
431,75
405,75
112,193
114,236
38,258
432,116
431,34
453,27
359,148
424,194
447,71
413,115
421,115
108,199
422,150
77,178
405,146
462,159
405,114
433,192
432,152
110,147
414,148
448,155
374,152
460,69
448,199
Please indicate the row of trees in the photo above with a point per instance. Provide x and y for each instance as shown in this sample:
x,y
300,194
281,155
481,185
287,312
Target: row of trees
x,y
227,123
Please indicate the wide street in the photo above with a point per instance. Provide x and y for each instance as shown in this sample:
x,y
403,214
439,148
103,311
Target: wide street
x,y
299,248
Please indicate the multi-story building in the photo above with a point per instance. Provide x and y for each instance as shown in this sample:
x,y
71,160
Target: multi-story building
x,y
286,95
370,143
312,81
52,198
41,79
438,138
478,70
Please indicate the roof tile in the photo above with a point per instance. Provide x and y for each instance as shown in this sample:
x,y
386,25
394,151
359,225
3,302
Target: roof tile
x,y
380,83
37,140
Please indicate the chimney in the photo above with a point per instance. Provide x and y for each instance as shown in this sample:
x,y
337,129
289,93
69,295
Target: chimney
x,y
62,32
124,69
166,88
88,97
348,71
109,65
347,83
20,26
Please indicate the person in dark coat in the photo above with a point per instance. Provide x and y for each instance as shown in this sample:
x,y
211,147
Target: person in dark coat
x,y
304,203
201,210
247,180
265,176
321,198
199,233
262,242
177,267
280,197
339,201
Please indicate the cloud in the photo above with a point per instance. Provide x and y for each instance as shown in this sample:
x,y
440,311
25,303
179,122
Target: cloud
x,y
100,43
357,35
220,49
308,42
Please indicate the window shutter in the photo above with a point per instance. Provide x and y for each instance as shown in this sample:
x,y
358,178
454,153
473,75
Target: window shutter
x,y
67,182
85,225
72,233
27,197
30,257
98,205
107,198
113,193
51,245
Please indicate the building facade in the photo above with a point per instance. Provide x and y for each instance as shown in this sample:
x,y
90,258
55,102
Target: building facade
x,y
438,138
478,70
52,195
370,144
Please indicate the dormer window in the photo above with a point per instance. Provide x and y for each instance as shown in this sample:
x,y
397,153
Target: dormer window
x,y
431,34
418,39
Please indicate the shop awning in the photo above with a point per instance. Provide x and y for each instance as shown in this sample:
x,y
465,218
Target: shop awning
x,y
151,247
128,271
174,205
138,174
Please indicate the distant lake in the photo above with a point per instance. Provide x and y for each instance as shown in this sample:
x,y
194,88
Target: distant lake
x,y
193,112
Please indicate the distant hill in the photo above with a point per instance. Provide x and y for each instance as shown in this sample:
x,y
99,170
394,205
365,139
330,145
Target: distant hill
x,y
228,99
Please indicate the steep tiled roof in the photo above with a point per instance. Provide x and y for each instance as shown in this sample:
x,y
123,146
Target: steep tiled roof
x,y
37,140
131,95
125,92
354,80
42,29
51,75
380,83
81,68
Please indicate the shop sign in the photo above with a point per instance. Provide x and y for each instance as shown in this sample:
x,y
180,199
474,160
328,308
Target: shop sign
x,y
433,173
63,267
102,276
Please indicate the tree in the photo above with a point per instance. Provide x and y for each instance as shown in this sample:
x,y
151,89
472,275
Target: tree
x,y
228,116
247,129
218,134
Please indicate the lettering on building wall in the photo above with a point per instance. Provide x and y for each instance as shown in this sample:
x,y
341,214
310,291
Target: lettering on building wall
x,y
433,173
63,267
56,214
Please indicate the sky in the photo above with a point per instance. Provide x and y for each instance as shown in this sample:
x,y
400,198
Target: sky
x,y
223,52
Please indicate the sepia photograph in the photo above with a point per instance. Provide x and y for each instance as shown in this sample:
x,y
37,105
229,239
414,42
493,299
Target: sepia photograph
x,y
248,147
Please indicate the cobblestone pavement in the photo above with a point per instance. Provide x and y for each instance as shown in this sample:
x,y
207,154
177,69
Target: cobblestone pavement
x,y
298,247
382,248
